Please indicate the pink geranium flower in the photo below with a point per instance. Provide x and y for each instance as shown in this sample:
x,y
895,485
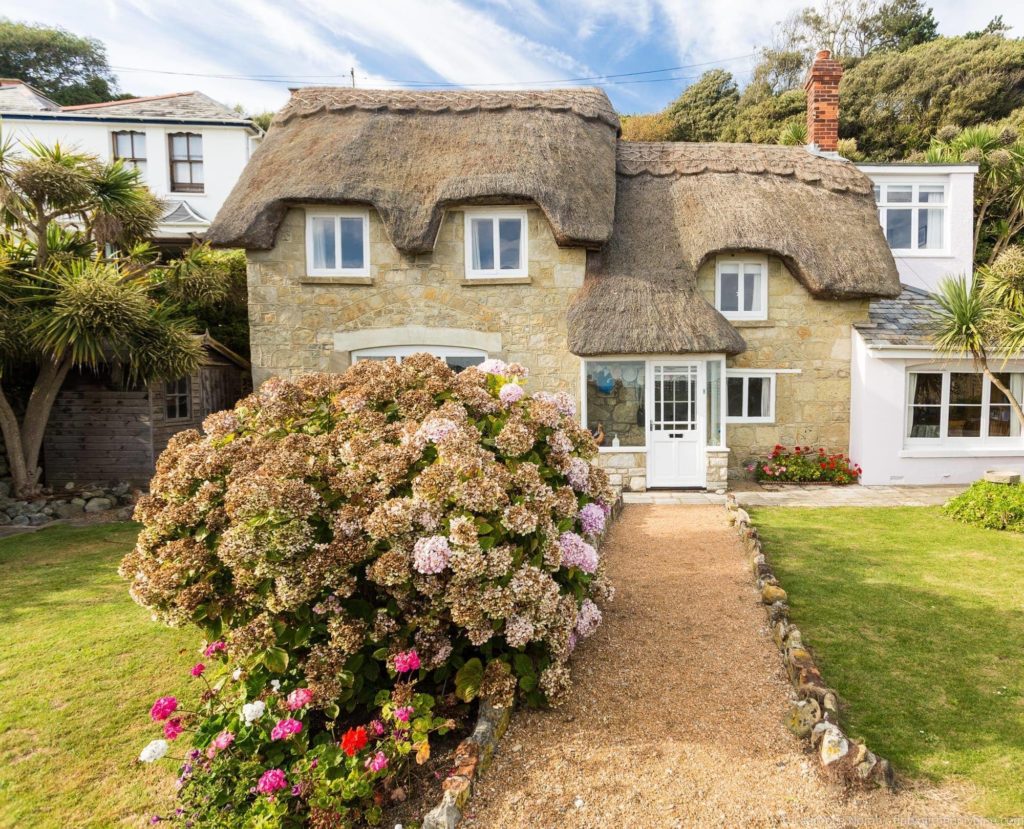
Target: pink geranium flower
x,y
198,669
173,728
299,698
285,729
214,648
406,661
403,713
163,708
273,780
378,762
223,740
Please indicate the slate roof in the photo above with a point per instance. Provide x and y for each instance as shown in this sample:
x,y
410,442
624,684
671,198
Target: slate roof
x,y
16,96
900,322
179,211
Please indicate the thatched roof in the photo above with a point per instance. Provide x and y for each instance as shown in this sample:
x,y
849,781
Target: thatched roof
x,y
410,154
678,204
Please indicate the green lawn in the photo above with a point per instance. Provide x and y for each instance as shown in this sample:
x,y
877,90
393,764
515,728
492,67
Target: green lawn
x,y
918,623
80,664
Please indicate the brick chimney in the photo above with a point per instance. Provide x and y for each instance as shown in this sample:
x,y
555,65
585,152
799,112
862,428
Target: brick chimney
x,y
822,87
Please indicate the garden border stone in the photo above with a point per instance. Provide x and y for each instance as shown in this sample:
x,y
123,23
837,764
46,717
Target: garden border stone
x,y
814,714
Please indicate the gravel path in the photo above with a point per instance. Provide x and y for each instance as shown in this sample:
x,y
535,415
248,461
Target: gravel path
x,y
677,715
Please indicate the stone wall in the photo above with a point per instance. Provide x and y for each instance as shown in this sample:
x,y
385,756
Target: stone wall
x,y
303,324
813,335
626,470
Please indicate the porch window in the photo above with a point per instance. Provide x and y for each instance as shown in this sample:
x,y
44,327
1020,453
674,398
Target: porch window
x,y
741,289
456,358
496,242
750,397
613,402
338,242
178,399
913,216
955,408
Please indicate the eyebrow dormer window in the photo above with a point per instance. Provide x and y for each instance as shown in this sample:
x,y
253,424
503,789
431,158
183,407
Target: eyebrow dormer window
x,y
496,242
741,289
337,243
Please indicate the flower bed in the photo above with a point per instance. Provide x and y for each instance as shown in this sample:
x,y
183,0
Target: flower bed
x,y
802,465
353,545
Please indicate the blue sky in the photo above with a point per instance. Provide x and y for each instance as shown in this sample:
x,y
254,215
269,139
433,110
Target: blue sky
x,y
221,46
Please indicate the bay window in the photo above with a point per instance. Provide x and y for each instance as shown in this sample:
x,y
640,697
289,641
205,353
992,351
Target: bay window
x,y
956,408
913,216
496,243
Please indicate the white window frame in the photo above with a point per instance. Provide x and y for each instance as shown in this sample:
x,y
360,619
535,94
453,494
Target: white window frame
x,y
583,397
338,214
742,261
496,213
745,375
883,205
984,440
399,352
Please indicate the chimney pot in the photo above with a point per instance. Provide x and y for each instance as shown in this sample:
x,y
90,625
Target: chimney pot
x,y
822,87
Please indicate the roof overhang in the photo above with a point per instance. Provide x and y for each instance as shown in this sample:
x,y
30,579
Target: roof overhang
x,y
125,119
916,168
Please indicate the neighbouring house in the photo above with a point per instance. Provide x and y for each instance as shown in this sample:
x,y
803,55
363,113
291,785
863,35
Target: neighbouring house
x,y
702,302
189,148
104,430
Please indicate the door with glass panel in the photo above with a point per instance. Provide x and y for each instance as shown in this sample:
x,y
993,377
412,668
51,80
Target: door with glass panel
x,y
675,447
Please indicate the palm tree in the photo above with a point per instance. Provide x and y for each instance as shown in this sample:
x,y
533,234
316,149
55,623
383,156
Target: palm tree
x,y
984,317
64,302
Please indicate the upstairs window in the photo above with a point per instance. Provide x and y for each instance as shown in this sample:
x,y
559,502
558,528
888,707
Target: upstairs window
x,y
186,156
741,289
913,216
955,407
496,242
130,147
337,243
178,399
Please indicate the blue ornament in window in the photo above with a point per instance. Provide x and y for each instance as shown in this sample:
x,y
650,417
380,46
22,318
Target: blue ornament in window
x,y
604,381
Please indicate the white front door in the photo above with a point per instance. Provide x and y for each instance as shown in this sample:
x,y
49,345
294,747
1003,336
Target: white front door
x,y
675,439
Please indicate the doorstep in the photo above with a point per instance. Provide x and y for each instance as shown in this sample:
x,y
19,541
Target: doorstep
x,y
669,496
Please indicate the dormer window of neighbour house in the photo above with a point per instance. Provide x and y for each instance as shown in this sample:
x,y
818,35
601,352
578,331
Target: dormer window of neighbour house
x,y
130,147
338,242
496,244
913,215
186,158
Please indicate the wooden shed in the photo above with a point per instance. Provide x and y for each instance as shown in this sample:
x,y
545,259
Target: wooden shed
x,y
102,431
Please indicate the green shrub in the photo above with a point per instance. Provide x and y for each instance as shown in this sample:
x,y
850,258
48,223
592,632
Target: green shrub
x,y
990,505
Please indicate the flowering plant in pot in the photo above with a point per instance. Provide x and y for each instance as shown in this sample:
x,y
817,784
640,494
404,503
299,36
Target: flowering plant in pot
x,y
328,527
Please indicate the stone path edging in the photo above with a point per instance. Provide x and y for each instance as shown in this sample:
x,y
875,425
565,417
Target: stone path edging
x,y
815,713
471,758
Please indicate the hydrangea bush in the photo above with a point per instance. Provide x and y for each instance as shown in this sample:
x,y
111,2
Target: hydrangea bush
x,y
346,536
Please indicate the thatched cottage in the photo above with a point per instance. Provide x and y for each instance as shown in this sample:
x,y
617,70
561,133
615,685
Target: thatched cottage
x,y
699,300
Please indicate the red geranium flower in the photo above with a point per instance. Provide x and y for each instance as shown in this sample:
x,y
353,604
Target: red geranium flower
x,y
353,740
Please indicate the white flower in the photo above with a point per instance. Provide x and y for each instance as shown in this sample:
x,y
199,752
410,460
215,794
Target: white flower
x,y
154,751
236,674
252,711
275,685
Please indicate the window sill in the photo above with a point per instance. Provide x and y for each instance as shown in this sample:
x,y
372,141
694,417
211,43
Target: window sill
x,y
964,452
336,280
745,323
471,281
921,254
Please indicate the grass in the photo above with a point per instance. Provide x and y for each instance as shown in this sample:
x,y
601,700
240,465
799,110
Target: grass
x,y
80,664
918,622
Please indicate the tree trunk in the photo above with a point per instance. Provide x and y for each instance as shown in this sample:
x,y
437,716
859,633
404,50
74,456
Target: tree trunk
x,y
12,442
1014,403
37,415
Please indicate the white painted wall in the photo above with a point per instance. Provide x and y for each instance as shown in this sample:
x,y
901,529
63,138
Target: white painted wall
x,y
926,269
225,153
877,422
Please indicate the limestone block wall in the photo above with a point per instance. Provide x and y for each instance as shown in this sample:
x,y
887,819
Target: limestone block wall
x,y
627,471
301,323
813,335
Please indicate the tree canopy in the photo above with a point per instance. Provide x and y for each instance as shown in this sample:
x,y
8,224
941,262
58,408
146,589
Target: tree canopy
x,y
63,66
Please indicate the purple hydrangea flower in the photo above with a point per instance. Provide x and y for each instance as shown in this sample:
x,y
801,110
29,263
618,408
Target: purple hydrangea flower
x,y
493,366
589,618
430,554
562,400
511,393
437,429
592,519
578,474
577,553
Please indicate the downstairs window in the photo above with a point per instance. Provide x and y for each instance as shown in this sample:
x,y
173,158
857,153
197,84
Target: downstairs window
x,y
955,408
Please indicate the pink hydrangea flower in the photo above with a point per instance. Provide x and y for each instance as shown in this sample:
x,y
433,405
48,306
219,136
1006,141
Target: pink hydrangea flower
x,y
378,762
285,729
403,713
437,429
577,553
215,648
511,393
173,728
562,401
430,554
299,698
589,618
223,740
198,669
592,519
163,708
493,366
578,474
273,780
407,661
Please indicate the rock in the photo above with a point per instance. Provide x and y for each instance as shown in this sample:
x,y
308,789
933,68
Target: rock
x,y
69,510
125,514
831,706
37,519
78,502
803,716
637,484
98,504
5,488
5,519
1002,476
69,486
20,521
742,516
834,746
772,593
778,610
